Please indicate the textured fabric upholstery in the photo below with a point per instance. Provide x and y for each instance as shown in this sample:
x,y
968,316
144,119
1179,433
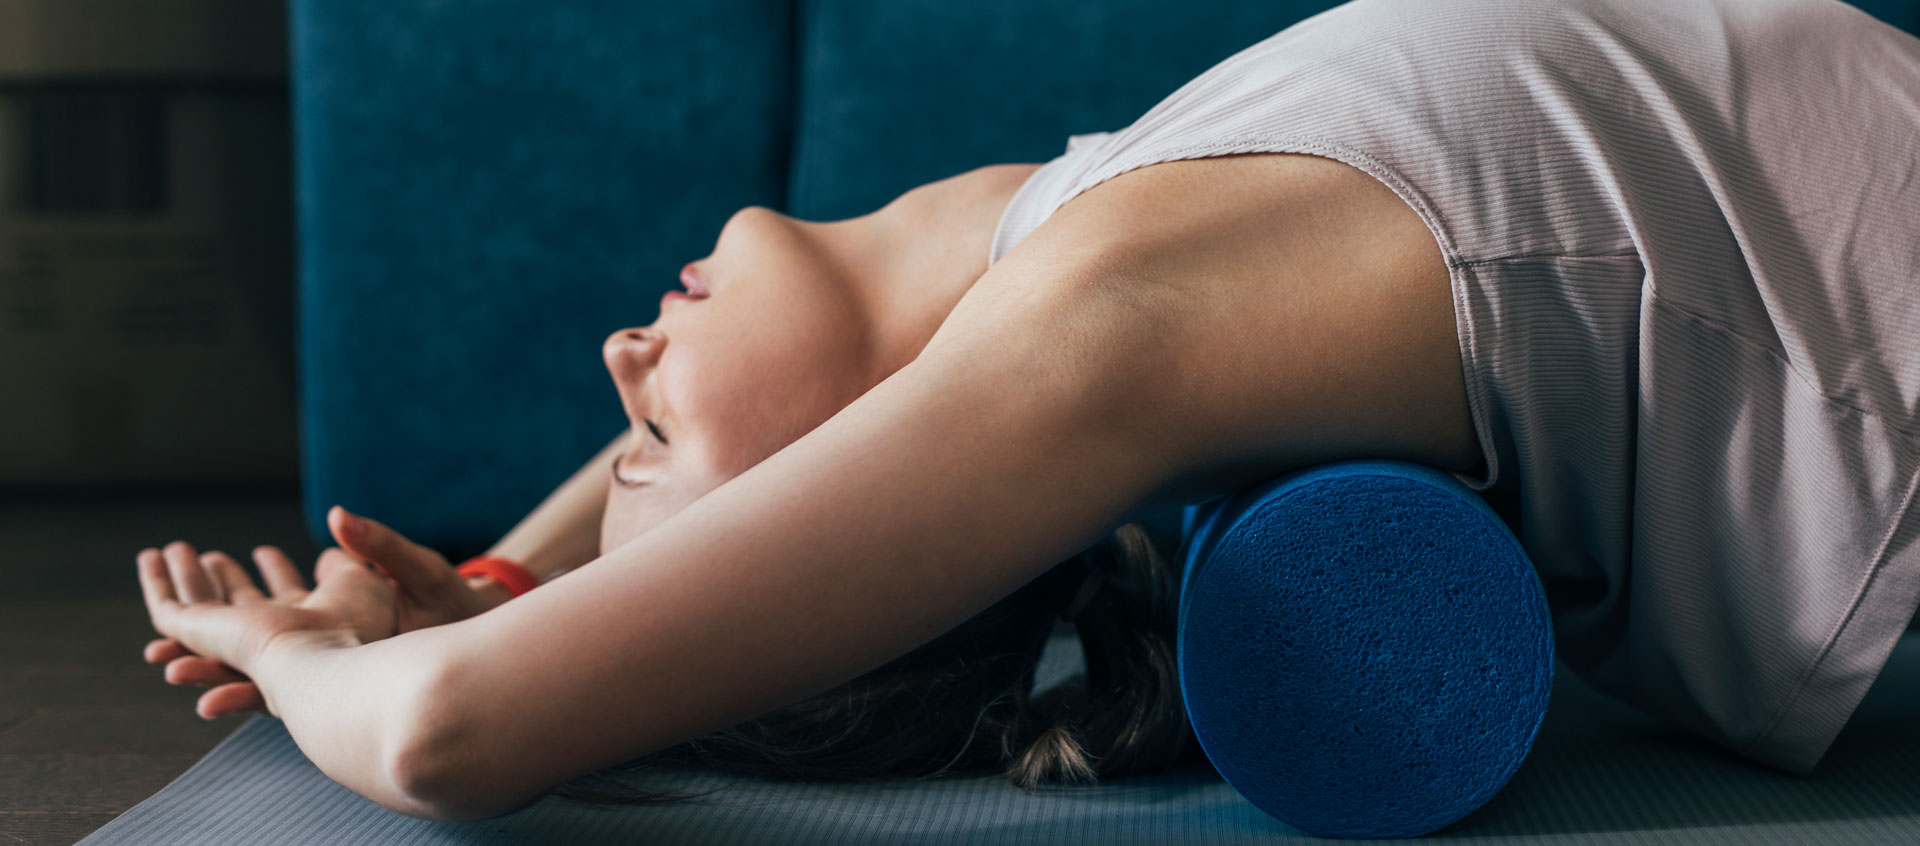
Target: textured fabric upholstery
x,y
896,94
487,189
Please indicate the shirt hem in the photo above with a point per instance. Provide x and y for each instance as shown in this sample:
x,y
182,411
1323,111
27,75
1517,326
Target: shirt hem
x,y
1799,735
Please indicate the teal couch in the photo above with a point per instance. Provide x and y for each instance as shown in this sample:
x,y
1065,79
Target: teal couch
x,y
488,188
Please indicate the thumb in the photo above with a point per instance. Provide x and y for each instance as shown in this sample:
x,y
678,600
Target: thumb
x,y
418,570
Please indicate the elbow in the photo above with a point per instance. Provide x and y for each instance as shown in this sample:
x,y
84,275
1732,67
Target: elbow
x,y
438,765
421,784
426,788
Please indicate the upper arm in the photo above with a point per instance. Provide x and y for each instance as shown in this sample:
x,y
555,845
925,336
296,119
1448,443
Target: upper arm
x,y
1305,314
1080,376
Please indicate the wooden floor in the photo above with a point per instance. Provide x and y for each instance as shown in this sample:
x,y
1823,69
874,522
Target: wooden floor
x,y
87,729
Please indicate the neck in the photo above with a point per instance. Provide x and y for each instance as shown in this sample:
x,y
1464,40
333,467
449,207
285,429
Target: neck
x,y
934,255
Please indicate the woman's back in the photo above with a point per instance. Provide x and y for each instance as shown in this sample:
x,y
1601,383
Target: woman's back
x,y
1684,239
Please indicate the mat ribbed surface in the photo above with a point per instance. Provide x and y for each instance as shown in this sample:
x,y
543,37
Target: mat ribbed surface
x,y
1600,773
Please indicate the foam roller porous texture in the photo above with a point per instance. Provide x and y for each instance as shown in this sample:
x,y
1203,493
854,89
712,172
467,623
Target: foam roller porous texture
x,y
1364,649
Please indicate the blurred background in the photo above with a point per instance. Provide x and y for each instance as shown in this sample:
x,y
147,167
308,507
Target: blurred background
x,y
147,243
146,370
146,284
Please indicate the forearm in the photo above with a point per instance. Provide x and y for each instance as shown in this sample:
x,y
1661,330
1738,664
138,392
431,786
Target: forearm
x,y
564,531
357,711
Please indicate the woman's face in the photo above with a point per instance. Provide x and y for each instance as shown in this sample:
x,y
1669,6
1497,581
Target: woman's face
x,y
781,326
769,340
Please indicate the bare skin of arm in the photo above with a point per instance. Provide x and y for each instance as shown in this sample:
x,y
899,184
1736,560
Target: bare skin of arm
x,y
563,532
1184,329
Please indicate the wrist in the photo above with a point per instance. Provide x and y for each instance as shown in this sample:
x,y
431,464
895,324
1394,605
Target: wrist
x,y
505,574
291,655
492,593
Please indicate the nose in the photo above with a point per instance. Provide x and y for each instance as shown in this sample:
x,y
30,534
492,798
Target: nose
x,y
631,352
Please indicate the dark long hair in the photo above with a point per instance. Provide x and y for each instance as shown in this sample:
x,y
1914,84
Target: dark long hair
x,y
964,702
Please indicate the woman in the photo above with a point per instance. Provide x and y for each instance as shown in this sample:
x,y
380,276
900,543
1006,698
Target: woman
x,y
1616,262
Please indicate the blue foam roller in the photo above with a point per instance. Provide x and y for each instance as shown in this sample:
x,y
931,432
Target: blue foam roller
x,y
1364,648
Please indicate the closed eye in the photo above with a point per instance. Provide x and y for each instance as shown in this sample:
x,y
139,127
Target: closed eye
x,y
655,430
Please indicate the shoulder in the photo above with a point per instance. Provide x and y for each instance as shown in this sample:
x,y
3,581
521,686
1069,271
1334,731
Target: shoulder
x,y
1159,219
1254,233
1299,310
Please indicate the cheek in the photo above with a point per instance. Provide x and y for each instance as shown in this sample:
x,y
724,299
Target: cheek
x,y
759,394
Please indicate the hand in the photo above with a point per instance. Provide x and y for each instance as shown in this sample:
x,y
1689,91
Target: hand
x,y
427,592
218,622
432,592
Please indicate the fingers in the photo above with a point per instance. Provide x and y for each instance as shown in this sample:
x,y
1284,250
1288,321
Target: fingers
x,y
230,578
195,670
333,559
156,584
281,574
230,698
161,650
190,582
418,570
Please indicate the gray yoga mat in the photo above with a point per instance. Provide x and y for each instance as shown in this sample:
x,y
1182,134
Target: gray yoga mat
x,y
1600,772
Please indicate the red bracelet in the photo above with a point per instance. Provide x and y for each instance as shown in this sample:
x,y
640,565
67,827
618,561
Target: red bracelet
x,y
511,576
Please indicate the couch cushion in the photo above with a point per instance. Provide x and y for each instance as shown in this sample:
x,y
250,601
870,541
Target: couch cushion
x,y
894,94
487,189
1904,14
